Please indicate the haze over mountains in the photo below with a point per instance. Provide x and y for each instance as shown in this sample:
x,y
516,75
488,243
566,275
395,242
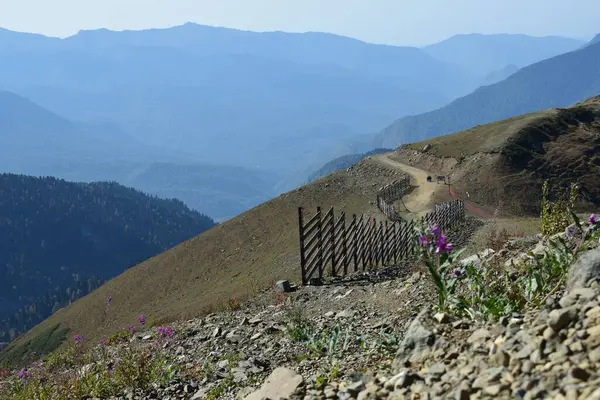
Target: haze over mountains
x,y
484,54
251,114
560,81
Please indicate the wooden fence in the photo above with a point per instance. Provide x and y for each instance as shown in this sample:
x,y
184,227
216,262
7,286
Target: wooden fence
x,y
391,193
331,246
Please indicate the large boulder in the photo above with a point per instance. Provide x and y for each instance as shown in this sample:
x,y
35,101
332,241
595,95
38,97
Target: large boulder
x,y
417,341
585,269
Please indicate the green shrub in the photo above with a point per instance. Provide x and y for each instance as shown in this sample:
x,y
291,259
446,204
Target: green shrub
x,y
556,215
491,291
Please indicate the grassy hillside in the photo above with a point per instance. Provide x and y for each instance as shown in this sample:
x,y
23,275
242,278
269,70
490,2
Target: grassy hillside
x,y
60,240
557,82
235,258
341,163
483,54
503,165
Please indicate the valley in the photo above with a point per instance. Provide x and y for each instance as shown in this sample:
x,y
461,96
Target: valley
x,y
194,212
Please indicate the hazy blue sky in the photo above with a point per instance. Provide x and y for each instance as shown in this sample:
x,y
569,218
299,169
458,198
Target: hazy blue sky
x,y
408,22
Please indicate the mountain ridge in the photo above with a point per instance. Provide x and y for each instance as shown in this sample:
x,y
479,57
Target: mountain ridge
x,y
549,83
62,236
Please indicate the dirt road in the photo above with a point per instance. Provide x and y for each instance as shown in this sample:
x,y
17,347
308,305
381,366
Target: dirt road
x,y
422,199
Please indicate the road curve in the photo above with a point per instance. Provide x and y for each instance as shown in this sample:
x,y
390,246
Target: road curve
x,y
421,200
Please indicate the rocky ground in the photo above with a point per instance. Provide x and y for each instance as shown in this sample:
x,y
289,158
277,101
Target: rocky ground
x,y
375,335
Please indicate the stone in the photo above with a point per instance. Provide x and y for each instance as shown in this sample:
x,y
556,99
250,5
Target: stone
x,y
345,314
442,318
593,336
216,332
479,335
281,384
355,388
416,339
580,374
283,286
561,318
594,313
586,268
200,394
473,260
492,390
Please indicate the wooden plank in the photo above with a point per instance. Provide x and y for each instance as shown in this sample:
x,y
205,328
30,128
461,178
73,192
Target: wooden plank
x,y
344,244
333,258
312,251
354,242
311,221
308,244
310,231
302,255
320,244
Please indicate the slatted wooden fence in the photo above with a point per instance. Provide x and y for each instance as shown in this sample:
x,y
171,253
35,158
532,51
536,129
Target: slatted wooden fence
x,y
331,246
391,193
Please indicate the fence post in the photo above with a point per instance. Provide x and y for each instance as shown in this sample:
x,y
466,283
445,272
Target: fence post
x,y
384,230
344,243
395,243
302,254
332,242
320,243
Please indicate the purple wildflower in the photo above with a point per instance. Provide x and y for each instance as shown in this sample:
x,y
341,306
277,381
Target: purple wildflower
x,y
570,232
592,219
23,374
435,229
457,272
166,332
142,320
78,339
442,246
132,329
103,342
423,241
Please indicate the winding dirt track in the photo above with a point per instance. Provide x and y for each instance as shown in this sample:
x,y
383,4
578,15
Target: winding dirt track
x,y
421,200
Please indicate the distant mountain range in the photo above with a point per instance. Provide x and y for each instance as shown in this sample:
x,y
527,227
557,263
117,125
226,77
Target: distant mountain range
x,y
483,54
35,141
342,163
560,81
596,39
60,240
246,114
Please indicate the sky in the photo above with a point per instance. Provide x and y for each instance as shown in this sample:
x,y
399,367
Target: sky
x,y
398,22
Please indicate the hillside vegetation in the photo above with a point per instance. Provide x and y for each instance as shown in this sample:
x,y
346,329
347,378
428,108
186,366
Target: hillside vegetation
x,y
234,259
503,165
61,240
560,81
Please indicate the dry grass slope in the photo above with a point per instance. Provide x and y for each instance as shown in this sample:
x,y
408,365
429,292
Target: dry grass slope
x,y
236,258
502,165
